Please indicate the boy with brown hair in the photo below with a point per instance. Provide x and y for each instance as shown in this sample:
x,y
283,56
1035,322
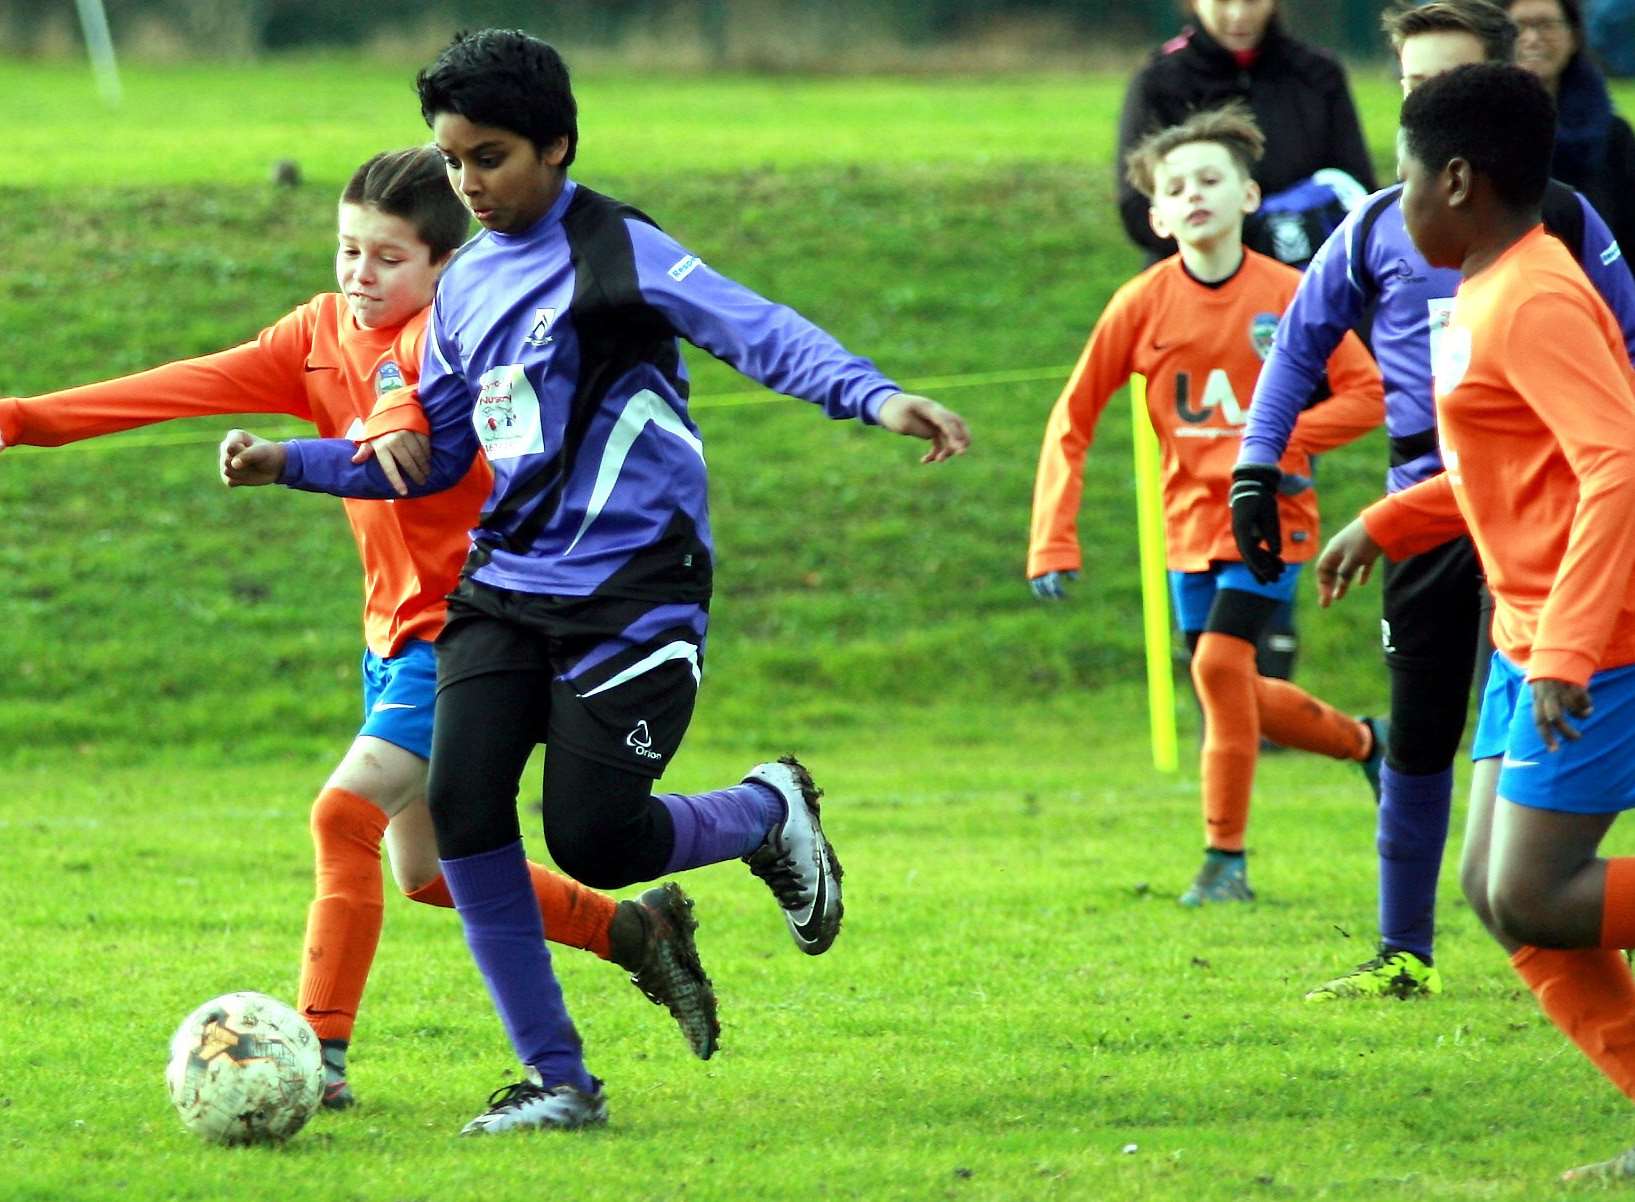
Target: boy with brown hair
x,y
1196,325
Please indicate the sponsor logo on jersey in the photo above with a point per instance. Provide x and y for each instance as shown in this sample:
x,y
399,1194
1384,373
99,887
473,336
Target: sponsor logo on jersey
x,y
1611,255
1262,329
540,333
641,742
388,378
683,267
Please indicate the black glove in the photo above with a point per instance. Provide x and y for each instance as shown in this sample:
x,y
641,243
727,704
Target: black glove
x,y
1253,499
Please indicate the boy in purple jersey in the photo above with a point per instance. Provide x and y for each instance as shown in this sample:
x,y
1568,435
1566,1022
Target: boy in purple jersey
x,y
1434,610
580,617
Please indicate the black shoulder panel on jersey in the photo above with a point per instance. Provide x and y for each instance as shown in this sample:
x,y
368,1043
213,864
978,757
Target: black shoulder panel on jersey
x,y
1564,217
1363,231
616,331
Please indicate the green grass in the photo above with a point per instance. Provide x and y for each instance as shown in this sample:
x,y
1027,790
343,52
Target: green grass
x,y
1016,999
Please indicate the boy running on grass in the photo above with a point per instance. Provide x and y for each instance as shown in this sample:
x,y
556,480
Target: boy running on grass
x,y
1197,326
342,360
580,618
1535,408
1435,621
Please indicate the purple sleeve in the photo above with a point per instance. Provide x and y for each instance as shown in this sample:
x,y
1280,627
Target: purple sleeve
x,y
1328,302
325,464
770,343
1603,261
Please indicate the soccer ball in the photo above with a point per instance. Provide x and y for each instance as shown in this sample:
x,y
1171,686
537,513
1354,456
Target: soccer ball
x,y
245,1069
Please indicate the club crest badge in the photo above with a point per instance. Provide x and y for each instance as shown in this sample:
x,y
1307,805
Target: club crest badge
x,y
1262,330
540,333
388,378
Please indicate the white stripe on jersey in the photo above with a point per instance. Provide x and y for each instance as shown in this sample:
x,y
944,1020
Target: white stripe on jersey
x,y
680,649
645,406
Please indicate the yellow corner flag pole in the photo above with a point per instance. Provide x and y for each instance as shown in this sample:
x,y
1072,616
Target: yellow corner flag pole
x,y
1149,506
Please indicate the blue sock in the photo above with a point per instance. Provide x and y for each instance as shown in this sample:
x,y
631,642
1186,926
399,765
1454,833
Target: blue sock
x,y
724,825
1413,829
500,913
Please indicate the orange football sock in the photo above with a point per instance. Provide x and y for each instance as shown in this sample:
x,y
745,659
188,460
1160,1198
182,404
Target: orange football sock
x,y
343,923
1590,995
574,916
1292,717
1223,671
1618,903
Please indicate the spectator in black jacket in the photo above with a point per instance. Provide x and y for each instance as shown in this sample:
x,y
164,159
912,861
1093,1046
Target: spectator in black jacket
x,y
1595,148
1237,50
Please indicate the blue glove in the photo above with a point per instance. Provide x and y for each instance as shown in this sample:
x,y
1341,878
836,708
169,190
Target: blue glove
x,y
1051,586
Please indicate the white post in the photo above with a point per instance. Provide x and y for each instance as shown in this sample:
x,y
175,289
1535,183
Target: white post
x,y
99,43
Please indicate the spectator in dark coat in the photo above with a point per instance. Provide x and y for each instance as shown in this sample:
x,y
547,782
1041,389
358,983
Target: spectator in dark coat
x,y
1237,50
1595,148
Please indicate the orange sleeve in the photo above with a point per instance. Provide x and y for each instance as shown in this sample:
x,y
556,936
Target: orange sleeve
x,y
1560,362
264,376
1356,406
400,412
1415,519
1105,364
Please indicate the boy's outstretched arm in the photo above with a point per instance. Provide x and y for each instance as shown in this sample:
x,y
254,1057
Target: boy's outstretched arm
x,y
264,376
775,346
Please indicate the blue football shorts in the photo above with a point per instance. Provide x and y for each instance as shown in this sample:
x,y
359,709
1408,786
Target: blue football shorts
x,y
1192,593
1594,774
400,696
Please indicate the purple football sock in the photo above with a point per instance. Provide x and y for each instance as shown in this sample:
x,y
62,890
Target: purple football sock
x,y
724,825
500,913
1413,829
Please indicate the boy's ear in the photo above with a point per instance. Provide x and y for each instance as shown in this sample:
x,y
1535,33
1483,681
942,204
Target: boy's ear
x,y
1158,224
1251,197
555,152
1459,181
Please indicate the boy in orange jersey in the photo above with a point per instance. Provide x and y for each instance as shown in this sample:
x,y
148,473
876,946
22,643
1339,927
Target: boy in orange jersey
x,y
1535,409
348,362
1197,326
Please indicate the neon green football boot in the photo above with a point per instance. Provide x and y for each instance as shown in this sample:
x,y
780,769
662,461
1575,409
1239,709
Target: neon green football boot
x,y
1400,975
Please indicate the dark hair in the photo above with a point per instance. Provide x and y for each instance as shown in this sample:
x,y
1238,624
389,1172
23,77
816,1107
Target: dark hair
x,y
413,185
507,79
1488,23
1232,126
1498,118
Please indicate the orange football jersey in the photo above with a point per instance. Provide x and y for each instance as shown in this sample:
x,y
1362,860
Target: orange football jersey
x,y
1200,348
1535,411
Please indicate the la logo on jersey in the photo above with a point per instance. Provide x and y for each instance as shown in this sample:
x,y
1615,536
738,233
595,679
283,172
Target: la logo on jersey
x,y
641,742
388,378
1218,398
540,334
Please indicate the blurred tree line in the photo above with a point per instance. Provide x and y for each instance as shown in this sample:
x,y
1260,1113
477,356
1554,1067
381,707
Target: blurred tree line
x,y
719,32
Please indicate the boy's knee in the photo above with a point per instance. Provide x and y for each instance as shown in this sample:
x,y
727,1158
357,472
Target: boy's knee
x,y
1217,664
1521,913
592,862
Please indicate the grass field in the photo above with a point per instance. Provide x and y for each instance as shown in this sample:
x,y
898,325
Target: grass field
x,y
1017,1008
